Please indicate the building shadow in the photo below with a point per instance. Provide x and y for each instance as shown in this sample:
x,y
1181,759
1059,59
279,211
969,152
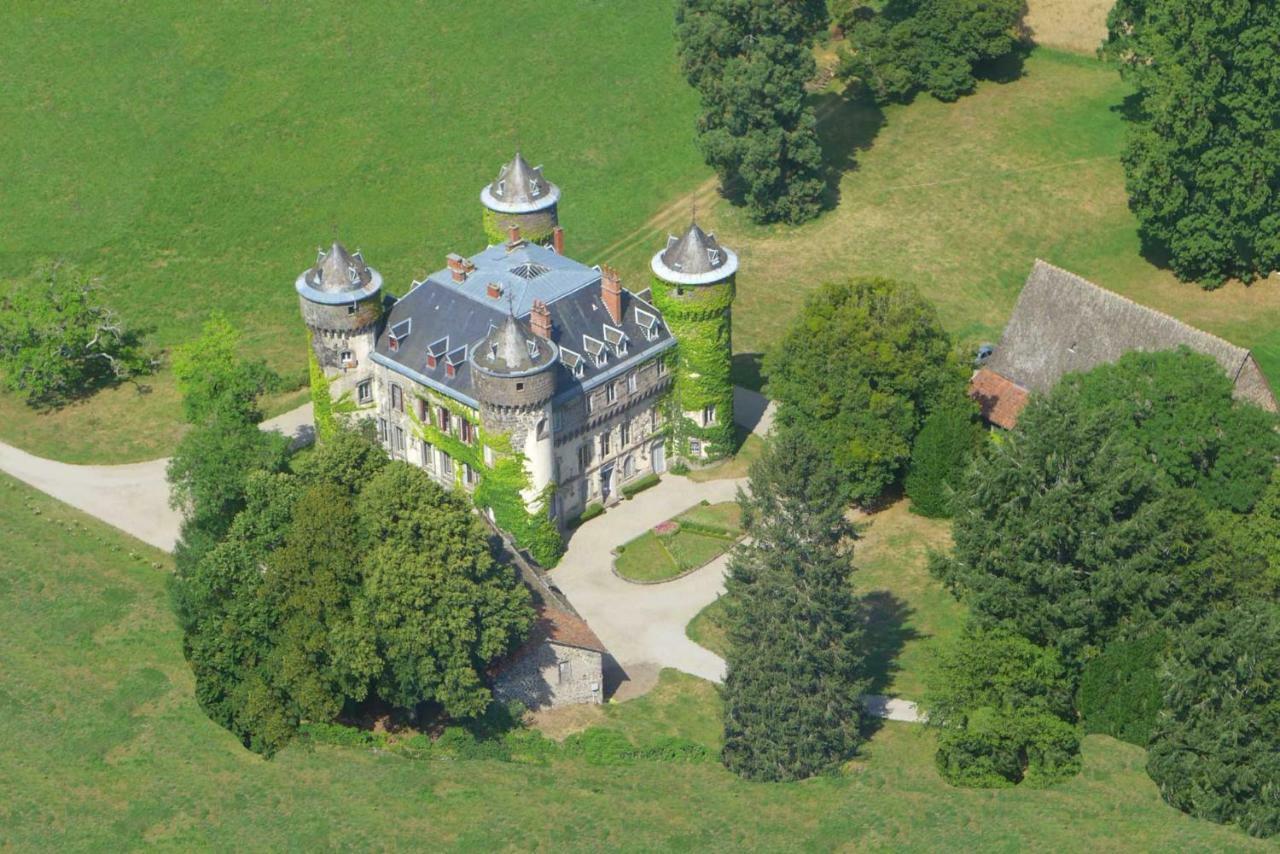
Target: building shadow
x,y
745,370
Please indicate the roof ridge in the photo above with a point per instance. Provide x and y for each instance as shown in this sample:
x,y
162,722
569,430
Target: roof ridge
x,y
1040,262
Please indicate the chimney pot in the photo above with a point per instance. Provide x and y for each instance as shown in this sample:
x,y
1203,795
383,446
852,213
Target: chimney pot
x,y
611,293
557,240
457,266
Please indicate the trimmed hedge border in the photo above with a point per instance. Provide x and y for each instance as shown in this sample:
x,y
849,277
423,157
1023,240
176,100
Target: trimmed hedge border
x,y
630,490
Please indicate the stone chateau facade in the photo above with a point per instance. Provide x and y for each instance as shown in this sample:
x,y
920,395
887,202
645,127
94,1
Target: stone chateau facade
x,y
521,353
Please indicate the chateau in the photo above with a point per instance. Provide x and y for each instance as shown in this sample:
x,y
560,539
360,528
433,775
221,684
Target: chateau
x,y
537,383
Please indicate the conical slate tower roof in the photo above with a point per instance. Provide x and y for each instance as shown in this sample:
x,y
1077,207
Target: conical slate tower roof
x,y
510,348
519,188
694,258
338,276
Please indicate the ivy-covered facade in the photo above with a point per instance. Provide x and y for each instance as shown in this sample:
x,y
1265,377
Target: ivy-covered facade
x,y
539,385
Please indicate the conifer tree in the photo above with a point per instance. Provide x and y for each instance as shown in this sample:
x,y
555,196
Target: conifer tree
x,y
749,61
794,681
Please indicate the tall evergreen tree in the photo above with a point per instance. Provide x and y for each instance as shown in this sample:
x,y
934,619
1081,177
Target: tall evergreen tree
x,y
749,60
1202,161
795,666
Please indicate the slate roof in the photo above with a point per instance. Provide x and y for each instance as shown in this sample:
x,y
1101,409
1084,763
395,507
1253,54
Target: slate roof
x,y
439,308
1065,324
338,277
694,258
510,349
519,188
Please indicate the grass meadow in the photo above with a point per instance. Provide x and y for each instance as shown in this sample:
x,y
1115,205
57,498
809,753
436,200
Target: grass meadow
x,y
105,749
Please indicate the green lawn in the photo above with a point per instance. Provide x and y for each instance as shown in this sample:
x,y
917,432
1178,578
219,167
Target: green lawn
x,y
908,611
195,155
106,750
706,532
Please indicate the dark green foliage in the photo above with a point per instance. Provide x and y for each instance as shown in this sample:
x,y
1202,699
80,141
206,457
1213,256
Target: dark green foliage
x,y
749,60
1216,749
859,371
1202,162
1120,692
1092,515
1249,546
350,577
795,665
909,46
58,343
588,513
1002,709
940,457
639,485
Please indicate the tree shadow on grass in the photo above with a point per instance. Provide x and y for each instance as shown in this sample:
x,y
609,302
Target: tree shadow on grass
x,y
846,126
887,632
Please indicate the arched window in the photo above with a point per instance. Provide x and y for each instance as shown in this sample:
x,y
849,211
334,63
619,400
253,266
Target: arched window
x,y
629,467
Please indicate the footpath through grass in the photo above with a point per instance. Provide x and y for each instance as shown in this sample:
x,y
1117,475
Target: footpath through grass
x,y
107,750
195,155
683,543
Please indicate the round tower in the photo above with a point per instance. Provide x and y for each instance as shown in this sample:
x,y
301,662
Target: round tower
x,y
520,197
514,375
341,300
693,287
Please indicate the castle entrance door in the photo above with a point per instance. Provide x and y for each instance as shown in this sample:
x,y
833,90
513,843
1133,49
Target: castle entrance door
x,y
658,454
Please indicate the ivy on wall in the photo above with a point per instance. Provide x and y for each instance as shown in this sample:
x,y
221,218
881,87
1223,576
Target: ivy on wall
x,y
699,317
325,410
535,226
500,485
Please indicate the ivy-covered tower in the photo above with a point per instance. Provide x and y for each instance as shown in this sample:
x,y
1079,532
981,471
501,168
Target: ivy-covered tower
x,y
693,287
520,197
341,300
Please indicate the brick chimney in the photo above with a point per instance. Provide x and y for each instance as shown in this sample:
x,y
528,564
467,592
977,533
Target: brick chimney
x,y
557,240
513,236
540,319
457,266
611,293
494,290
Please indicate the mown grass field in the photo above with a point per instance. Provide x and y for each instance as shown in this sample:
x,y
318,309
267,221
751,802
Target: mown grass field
x,y
193,156
105,749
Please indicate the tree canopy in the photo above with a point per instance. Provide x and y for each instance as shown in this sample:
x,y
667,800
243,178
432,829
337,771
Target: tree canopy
x,y
1216,749
215,378
909,46
1202,161
940,458
749,60
58,343
795,667
859,371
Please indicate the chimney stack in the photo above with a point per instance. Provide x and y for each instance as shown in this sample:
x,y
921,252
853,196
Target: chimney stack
x,y
494,290
557,240
611,293
540,319
513,236
457,266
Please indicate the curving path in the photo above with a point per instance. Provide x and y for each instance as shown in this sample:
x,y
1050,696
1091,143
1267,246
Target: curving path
x,y
642,625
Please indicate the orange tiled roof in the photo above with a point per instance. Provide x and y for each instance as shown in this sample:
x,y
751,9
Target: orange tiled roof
x,y
1001,399
564,628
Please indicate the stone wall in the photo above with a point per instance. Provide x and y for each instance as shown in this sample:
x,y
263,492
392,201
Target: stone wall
x,y
550,674
535,226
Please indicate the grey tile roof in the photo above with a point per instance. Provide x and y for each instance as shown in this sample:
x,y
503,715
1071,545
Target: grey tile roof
x,y
519,188
1064,324
694,258
510,348
338,277
462,312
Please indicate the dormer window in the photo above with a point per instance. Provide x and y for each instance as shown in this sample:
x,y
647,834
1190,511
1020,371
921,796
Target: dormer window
x,y
616,339
453,360
399,333
533,349
573,361
436,352
648,322
596,350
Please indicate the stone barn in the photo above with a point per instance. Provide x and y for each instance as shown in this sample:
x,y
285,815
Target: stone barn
x,y
561,664
1064,324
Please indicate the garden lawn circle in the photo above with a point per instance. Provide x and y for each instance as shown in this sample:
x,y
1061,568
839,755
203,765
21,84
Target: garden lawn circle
x,y
680,545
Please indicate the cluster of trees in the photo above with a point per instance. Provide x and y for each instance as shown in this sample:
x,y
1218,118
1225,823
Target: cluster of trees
x,y
749,61
1202,161
59,343
1108,535
309,584
902,47
864,368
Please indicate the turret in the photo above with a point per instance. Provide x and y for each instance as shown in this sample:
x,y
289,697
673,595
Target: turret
x,y
520,198
514,374
341,300
693,286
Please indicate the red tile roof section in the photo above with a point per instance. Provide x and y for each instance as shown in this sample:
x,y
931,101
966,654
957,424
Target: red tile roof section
x,y
1001,399
564,628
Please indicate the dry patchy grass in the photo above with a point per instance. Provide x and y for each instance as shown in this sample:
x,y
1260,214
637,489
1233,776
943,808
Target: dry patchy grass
x,y
1078,25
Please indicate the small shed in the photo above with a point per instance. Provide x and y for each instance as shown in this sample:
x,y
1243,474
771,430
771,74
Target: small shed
x,y
561,664
1065,324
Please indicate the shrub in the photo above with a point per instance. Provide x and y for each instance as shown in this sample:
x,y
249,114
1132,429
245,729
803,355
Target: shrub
x,y
599,746
637,486
592,511
1120,693
1002,707
940,457
673,748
